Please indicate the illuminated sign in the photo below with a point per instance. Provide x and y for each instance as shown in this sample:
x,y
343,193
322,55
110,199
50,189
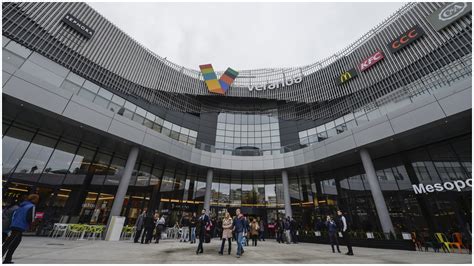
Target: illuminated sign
x,y
448,14
278,85
346,76
405,39
372,60
450,185
76,24
213,84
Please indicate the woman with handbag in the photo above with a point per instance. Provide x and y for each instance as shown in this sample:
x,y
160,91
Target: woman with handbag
x,y
254,231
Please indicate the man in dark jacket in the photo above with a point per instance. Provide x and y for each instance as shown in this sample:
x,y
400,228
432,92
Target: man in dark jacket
x,y
149,225
139,224
293,229
345,228
192,228
332,232
240,226
203,222
21,220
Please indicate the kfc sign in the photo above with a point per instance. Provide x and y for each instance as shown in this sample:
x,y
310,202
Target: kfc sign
x,y
367,63
405,39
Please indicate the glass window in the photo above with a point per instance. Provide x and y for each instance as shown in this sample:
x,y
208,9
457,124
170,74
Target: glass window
x,y
15,143
35,159
105,94
320,129
70,86
59,163
101,101
312,131
118,100
167,125
159,120
86,94
168,181
130,106
79,167
91,87
303,134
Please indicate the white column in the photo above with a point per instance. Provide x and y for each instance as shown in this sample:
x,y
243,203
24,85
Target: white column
x,y
379,200
286,193
124,182
207,196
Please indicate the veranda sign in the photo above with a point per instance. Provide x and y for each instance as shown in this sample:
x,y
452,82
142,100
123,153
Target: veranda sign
x,y
278,85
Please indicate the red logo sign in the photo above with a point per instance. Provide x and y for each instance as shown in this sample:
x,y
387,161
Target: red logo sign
x,y
39,215
371,60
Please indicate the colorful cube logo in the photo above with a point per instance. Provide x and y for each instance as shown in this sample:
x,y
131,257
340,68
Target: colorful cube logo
x,y
213,84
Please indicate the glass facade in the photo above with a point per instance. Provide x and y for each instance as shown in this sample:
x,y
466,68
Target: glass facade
x,y
240,132
117,104
77,183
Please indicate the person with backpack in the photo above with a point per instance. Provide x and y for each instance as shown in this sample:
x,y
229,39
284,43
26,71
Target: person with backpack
x,y
345,232
21,220
7,214
201,228
332,232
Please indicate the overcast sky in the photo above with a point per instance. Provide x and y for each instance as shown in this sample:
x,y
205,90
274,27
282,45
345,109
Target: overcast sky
x,y
245,35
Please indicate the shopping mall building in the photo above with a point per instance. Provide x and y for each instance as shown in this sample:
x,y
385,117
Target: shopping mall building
x,y
99,125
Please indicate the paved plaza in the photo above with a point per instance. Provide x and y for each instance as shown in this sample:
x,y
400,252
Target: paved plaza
x,y
47,250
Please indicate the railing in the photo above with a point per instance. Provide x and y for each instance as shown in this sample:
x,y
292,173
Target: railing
x,y
397,99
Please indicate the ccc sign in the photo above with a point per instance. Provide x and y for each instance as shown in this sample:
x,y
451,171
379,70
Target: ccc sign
x,y
347,75
405,39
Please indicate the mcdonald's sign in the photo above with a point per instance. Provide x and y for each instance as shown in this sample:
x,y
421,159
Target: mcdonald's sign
x,y
347,75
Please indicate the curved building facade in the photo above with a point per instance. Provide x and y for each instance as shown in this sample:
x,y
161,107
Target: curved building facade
x,y
100,126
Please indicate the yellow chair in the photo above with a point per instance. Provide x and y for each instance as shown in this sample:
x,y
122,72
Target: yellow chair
x,y
443,240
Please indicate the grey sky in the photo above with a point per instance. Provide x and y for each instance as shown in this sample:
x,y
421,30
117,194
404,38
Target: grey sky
x,y
245,35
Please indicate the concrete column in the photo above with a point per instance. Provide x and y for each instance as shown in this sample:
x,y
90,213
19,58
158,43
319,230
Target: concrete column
x,y
207,196
286,193
124,182
379,200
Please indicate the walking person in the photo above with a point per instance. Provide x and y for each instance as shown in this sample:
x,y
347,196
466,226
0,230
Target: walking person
x,y
239,228
261,236
345,232
149,227
139,225
286,225
332,231
184,228
7,214
293,230
160,227
226,232
254,231
192,226
279,228
21,221
202,223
